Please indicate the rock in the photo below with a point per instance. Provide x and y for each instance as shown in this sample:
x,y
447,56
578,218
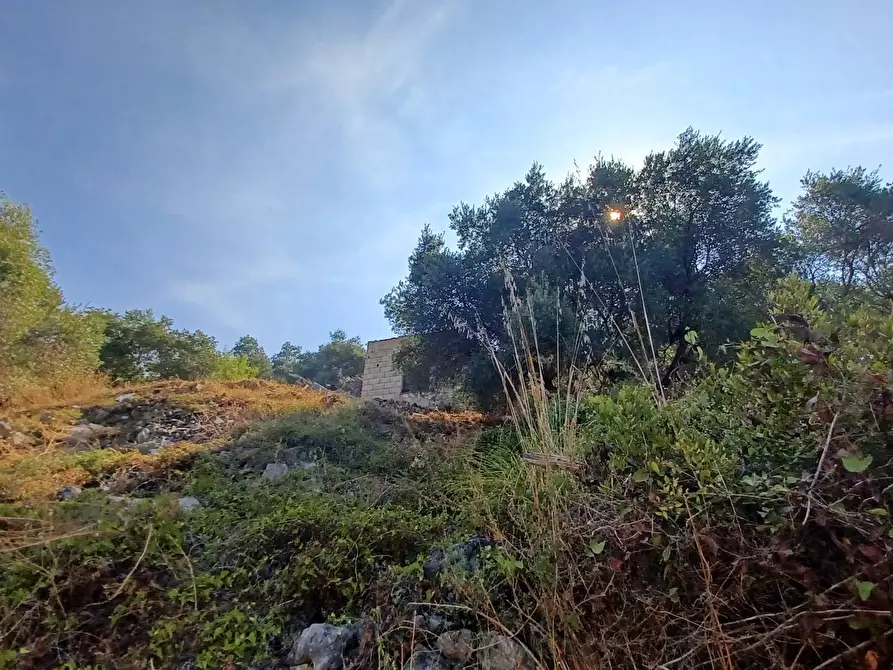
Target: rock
x,y
462,556
124,397
188,504
219,421
21,440
88,432
45,417
456,645
5,429
144,435
323,645
99,414
498,652
435,623
427,660
68,492
275,471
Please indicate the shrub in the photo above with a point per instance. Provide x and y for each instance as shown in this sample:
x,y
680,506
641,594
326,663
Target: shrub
x,y
42,341
709,524
231,367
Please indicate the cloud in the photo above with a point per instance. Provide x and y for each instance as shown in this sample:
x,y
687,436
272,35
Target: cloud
x,y
320,112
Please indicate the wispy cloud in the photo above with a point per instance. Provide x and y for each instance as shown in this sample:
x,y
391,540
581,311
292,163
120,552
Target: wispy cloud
x,y
335,104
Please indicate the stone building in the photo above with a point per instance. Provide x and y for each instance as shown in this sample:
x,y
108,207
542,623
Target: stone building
x,y
381,378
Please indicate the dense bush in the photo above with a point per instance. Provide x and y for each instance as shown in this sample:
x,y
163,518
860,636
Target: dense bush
x,y
42,340
709,523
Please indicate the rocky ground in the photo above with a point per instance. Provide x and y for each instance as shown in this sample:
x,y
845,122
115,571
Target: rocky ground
x,y
190,450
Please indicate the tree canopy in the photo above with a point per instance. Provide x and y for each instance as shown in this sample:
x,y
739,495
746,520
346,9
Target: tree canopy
x,y
688,240
139,347
247,347
330,365
843,222
612,264
41,338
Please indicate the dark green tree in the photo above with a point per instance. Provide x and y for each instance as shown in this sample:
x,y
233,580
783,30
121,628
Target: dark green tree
x,y
247,347
843,221
330,365
42,340
140,347
694,224
285,363
709,244
336,360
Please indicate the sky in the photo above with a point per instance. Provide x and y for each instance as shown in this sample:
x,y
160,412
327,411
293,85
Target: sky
x,y
266,167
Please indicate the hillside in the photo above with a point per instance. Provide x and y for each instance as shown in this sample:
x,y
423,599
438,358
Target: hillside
x,y
259,525
209,521
683,456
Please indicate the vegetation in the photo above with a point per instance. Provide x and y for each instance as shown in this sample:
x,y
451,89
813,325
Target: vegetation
x,y
688,240
330,365
42,340
686,463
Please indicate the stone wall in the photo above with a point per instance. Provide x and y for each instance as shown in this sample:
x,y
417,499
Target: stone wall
x,y
381,379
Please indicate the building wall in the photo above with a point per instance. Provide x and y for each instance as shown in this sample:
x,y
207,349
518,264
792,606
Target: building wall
x,y
381,379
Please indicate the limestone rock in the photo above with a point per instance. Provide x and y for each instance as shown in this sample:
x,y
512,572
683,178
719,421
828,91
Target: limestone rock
x,y
5,429
87,432
323,645
435,623
462,557
275,471
456,645
68,492
21,440
499,652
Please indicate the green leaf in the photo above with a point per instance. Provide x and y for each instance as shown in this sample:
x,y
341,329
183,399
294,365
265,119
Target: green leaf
x,y
655,468
640,476
759,333
878,511
691,336
856,464
890,532
865,589
595,547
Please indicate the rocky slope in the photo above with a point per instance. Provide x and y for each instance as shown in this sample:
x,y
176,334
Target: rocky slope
x,y
161,505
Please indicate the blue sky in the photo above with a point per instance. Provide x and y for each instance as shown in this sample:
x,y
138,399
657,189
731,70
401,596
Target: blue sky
x,y
266,167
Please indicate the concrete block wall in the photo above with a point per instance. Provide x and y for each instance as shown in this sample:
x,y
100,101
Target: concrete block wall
x,y
381,379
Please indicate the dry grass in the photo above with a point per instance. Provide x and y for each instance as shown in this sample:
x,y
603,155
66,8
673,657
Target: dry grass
x,y
38,471
438,416
251,398
87,389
